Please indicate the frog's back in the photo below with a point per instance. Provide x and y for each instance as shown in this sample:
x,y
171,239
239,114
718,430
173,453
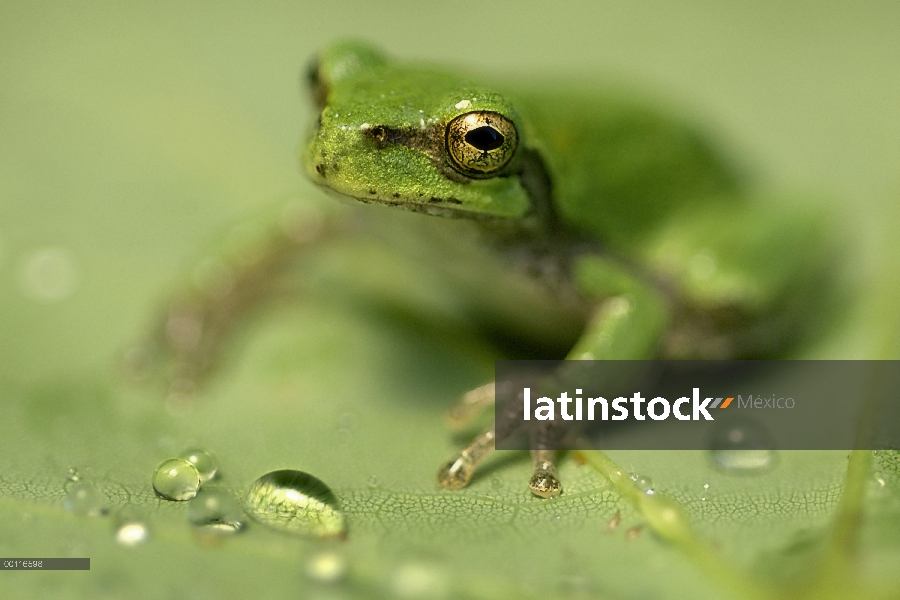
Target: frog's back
x,y
620,169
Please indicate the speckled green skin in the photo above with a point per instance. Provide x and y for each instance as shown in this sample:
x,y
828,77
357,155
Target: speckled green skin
x,y
640,204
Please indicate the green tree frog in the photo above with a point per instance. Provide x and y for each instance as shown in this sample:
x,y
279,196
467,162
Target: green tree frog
x,y
644,243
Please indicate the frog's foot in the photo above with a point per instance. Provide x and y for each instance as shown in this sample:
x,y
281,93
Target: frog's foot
x,y
470,406
456,474
544,482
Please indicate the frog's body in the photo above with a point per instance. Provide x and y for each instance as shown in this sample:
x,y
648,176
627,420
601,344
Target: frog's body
x,y
642,242
628,211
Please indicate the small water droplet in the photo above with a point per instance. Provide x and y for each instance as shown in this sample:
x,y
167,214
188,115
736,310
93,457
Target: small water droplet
x,y
49,275
295,502
72,475
176,479
216,511
557,517
373,482
418,580
203,461
645,484
496,483
85,500
132,533
742,446
326,567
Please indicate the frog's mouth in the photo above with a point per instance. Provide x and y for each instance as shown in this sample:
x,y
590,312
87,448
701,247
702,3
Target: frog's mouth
x,y
440,207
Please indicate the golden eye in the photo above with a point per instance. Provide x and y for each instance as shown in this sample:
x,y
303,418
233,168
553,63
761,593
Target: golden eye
x,y
481,143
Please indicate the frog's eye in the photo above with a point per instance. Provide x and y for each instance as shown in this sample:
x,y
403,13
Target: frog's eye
x,y
481,143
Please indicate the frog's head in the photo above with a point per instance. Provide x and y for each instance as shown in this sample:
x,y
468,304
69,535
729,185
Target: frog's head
x,y
415,138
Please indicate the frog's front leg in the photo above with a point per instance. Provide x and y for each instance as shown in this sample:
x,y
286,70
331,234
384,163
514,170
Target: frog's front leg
x,y
225,287
628,324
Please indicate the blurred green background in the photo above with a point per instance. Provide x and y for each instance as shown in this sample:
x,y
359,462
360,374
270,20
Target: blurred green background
x,y
133,134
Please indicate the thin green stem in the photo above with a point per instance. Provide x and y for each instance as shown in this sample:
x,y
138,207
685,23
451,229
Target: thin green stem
x,y
670,522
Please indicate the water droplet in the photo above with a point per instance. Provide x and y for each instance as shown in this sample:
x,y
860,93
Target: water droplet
x,y
85,500
176,479
295,502
326,567
418,580
373,482
132,533
49,275
742,446
216,511
645,484
72,475
203,461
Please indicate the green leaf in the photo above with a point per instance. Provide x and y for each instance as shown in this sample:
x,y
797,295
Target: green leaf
x,y
131,139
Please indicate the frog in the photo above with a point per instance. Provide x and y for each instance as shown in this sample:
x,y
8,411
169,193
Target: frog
x,y
643,239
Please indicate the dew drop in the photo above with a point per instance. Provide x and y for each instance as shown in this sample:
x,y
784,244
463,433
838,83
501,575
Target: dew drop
x,y
203,461
326,567
645,484
295,502
49,275
418,580
85,500
216,511
132,533
72,475
742,447
176,479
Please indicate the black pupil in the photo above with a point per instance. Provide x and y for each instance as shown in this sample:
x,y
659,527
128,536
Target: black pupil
x,y
485,138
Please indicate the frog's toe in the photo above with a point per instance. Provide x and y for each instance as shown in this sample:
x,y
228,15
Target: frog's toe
x,y
545,485
457,473
543,482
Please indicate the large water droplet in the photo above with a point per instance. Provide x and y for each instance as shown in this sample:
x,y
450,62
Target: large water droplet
x,y
295,502
176,479
216,511
132,533
203,461
49,275
742,447
85,500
